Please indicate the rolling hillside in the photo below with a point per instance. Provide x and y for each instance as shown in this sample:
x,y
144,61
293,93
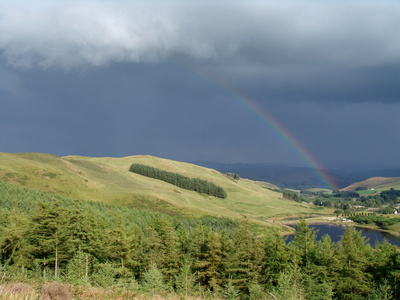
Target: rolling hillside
x,y
377,183
109,180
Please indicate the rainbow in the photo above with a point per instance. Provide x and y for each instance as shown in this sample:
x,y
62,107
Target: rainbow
x,y
268,120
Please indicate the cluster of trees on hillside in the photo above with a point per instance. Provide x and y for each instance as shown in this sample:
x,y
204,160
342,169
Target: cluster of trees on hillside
x,y
233,175
390,195
292,196
44,236
348,194
192,184
350,202
380,221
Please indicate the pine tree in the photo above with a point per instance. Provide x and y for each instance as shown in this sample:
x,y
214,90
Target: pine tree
x,y
325,269
185,280
304,243
13,243
152,250
163,247
355,258
182,234
386,266
153,282
198,239
244,265
120,248
289,285
48,237
85,231
79,268
278,256
305,246
209,263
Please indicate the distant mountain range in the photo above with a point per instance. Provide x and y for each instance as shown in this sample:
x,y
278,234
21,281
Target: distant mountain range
x,y
293,176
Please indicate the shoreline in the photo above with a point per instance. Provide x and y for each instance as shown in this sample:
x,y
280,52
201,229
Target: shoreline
x,y
337,222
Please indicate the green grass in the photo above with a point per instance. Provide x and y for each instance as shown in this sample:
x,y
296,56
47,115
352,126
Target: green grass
x,y
395,227
108,180
377,183
370,192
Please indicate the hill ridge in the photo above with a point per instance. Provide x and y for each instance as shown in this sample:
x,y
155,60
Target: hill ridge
x,y
107,179
375,182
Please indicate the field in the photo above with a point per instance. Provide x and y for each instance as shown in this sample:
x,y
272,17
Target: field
x,y
371,192
109,180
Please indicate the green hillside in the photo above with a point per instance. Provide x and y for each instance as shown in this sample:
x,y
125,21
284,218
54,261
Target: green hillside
x,y
196,248
108,180
376,183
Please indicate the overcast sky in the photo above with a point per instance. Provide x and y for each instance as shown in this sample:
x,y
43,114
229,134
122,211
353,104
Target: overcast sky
x,y
118,78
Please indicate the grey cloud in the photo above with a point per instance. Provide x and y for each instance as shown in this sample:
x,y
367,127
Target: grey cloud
x,y
75,33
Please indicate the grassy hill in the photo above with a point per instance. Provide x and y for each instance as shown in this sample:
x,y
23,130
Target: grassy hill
x,y
108,180
376,183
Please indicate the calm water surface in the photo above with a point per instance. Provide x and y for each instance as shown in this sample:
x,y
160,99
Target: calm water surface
x,y
336,232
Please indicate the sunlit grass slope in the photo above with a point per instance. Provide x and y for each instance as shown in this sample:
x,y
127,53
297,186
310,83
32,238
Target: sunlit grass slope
x,y
376,183
109,180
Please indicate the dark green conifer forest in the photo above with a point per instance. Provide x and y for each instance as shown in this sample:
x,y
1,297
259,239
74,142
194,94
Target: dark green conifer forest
x,y
192,184
45,237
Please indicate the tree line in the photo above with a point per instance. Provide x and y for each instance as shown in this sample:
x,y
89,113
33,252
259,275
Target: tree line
x,y
352,202
192,184
45,236
380,221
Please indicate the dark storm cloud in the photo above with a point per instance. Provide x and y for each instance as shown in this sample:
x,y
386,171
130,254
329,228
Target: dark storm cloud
x,y
146,77
268,33
287,50
375,83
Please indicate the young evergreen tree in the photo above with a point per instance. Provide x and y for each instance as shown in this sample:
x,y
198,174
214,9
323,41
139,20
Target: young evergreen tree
x,y
185,280
79,268
104,274
182,234
355,256
278,257
153,282
120,248
85,229
245,259
47,237
152,250
198,238
290,286
163,247
326,267
210,262
304,245
386,267
13,243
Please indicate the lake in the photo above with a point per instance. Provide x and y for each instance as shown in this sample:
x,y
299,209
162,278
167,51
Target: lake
x,y
336,232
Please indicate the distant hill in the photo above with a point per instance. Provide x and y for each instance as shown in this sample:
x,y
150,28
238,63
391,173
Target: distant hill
x,y
300,177
375,183
282,175
108,180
